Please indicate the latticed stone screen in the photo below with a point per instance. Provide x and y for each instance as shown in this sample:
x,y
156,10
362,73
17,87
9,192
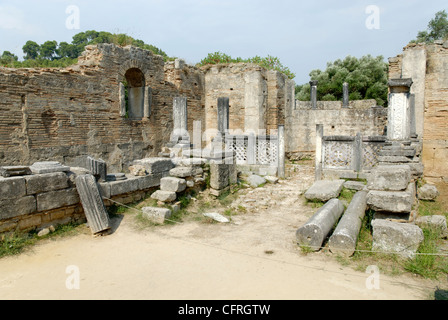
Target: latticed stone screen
x,y
351,153
261,150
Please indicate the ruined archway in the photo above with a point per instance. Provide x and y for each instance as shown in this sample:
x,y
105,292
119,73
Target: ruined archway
x,y
134,83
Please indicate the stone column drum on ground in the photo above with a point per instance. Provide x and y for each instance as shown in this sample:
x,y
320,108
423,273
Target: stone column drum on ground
x,y
314,232
345,236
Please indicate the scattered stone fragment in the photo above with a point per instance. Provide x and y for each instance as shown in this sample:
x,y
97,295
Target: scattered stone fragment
x,y
217,217
403,238
428,192
164,196
437,222
325,190
173,184
271,179
44,232
157,215
255,181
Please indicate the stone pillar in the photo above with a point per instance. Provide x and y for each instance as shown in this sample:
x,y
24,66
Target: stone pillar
x,y
223,114
345,99
313,85
399,117
314,232
92,204
251,149
281,152
413,128
179,118
357,153
147,103
122,100
319,138
346,234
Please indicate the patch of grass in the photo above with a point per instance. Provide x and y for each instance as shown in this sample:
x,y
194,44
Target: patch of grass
x,y
18,242
428,264
347,195
316,204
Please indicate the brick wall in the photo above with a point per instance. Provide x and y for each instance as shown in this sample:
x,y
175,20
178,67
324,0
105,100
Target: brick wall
x,y
428,66
66,114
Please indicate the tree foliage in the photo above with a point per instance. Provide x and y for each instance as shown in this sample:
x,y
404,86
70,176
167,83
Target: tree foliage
x,y
52,54
437,29
269,62
367,79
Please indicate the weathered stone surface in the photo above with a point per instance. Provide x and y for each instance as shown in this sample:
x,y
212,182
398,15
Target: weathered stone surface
x,y
390,178
157,215
173,184
324,190
98,168
48,167
183,172
17,207
164,196
314,232
155,165
138,170
12,188
12,171
57,199
345,236
92,203
149,181
435,222
354,185
219,176
255,181
428,192
46,182
390,201
217,217
124,186
403,238
271,179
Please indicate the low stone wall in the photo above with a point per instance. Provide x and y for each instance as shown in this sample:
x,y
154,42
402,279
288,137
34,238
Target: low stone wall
x,y
40,200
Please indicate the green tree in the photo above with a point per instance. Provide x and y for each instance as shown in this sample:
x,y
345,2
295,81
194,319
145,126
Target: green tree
x,y
31,50
8,56
367,79
437,29
66,50
48,50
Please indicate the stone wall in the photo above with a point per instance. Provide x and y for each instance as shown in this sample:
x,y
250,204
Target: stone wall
x,y
360,117
66,114
427,65
40,200
258,97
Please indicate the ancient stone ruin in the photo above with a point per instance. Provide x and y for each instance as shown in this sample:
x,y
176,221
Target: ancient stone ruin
x,y
123,125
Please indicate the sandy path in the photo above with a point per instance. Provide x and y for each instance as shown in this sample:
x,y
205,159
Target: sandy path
x,y
195,260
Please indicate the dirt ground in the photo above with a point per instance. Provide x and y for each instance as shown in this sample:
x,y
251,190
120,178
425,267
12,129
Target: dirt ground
x,y
253,258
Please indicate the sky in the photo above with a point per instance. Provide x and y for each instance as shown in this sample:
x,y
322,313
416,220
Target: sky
x,y
304,35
